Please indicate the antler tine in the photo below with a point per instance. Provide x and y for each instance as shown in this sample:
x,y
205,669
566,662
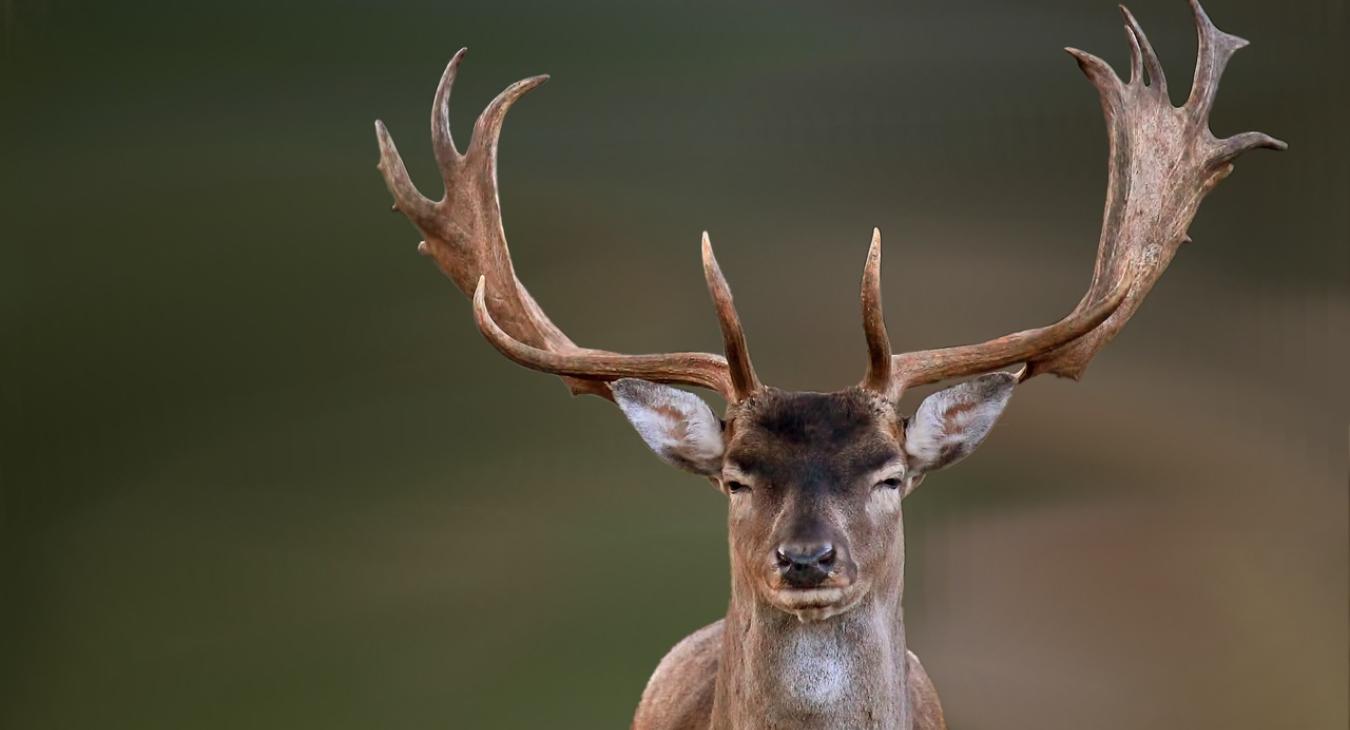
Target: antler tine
x,y
1213,51
448,157
463,233
1157,79
407,198
1231,147
1136,52
487,131
743,378
878,377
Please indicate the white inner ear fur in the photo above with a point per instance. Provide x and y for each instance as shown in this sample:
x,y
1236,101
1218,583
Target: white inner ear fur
x,y
677,425
951,423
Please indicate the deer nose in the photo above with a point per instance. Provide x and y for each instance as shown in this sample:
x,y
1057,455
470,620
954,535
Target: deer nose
x,y
805,565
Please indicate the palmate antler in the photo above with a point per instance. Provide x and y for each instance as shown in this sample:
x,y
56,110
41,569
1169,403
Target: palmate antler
x,y
1163,160
463,233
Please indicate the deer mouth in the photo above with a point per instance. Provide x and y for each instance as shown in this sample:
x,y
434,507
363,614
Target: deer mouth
x,y
817,604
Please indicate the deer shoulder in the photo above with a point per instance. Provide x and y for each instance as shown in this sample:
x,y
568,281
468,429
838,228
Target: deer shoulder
x,y
679,695
923,697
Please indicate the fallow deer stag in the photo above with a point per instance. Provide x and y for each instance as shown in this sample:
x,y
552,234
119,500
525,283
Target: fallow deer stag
x,y
814,636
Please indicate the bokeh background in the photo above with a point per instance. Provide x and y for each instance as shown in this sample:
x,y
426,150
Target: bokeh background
x,y
260,471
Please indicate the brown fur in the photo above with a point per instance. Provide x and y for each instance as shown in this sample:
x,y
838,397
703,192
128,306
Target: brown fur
x,y
679,695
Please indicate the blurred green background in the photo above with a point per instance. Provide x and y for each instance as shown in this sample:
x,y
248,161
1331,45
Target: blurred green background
x,y
260,471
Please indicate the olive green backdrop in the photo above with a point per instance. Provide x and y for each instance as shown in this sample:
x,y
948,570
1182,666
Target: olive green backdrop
x,y
259,470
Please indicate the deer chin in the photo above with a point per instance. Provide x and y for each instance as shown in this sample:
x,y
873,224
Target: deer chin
x,y
817,604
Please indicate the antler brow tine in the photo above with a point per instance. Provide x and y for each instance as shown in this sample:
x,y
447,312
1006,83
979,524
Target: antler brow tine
x,y
878,375
743,378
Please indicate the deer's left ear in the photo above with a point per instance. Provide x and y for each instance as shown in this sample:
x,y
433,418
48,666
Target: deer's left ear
x,y
677,425
951,423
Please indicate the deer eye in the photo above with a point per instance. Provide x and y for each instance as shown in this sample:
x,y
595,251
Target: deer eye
x,y
735,487
892,483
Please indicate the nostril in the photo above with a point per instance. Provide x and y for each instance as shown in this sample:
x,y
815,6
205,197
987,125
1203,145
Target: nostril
x,y
827,558
781,558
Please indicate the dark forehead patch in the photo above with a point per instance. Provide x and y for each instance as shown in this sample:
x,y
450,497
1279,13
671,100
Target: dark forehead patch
x,y
802,418
812,438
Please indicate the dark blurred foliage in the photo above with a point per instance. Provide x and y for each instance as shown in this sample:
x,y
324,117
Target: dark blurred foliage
x,y
260,471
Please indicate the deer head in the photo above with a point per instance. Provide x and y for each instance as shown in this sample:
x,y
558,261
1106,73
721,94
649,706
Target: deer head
x,y
815,481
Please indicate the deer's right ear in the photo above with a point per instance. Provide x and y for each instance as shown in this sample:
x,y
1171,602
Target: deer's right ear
x,y
677,425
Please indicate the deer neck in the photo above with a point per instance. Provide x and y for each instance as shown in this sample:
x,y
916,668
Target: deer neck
x,y
847,671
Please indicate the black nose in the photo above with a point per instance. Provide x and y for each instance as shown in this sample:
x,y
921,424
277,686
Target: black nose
x,y
805,565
